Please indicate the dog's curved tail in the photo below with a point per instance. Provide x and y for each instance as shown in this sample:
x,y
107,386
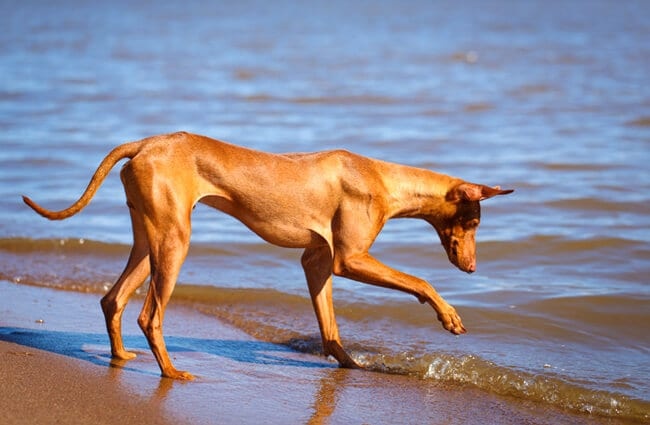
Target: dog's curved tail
x,y
127,150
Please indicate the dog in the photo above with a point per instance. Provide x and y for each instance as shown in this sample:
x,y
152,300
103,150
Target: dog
x,y
332,204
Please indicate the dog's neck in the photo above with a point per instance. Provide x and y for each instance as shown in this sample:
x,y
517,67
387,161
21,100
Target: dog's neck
x,y
416,192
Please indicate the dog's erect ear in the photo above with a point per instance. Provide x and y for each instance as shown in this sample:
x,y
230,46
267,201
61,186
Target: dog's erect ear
x,y
474,192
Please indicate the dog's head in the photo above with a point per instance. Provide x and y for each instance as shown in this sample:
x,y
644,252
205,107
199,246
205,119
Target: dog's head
x,y
460,217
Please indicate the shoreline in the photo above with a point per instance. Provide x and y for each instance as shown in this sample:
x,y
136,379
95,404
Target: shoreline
x,y
55,367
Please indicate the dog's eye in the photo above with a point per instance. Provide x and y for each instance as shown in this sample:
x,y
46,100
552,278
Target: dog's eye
x,y
473,224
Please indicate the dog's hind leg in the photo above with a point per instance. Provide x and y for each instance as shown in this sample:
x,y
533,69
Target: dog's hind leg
x,y
134,274
317,264
169,240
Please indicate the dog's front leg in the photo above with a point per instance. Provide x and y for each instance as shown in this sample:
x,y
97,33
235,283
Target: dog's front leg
x,y
317,264
365,268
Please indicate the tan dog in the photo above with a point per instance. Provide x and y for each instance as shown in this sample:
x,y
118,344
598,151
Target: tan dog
x,y
333,204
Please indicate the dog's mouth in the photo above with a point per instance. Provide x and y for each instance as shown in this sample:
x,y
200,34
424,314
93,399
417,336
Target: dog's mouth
x,y
467,265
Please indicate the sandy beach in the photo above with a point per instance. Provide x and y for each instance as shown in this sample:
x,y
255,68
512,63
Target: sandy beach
x,y
55,367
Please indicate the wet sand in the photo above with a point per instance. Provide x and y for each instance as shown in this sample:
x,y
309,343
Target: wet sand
x,y
55,368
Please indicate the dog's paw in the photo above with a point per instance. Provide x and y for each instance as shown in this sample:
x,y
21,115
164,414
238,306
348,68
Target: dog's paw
x,y
124,355
178,374
349,363
335,350
451,322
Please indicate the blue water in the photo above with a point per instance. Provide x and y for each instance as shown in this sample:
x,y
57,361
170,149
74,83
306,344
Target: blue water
x,y
549,98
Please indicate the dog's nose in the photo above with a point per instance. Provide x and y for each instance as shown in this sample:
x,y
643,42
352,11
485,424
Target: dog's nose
x,y
471,268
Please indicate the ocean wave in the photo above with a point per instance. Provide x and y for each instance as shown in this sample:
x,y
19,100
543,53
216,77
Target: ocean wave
x,y
572,166
325,100
599,205
61,245
28,246
273,316
544,386
287,319
643,121
543,248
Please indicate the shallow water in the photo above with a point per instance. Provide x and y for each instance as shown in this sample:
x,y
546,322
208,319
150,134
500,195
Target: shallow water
x,y
549,99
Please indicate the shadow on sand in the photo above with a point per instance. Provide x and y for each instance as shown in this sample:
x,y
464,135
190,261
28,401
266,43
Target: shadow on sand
x,y
72,344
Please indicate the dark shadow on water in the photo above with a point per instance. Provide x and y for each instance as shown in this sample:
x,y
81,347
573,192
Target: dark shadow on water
x,y
72,344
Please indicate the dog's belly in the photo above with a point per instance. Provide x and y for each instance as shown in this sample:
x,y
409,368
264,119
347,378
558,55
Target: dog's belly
x,y
275,227
285,236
